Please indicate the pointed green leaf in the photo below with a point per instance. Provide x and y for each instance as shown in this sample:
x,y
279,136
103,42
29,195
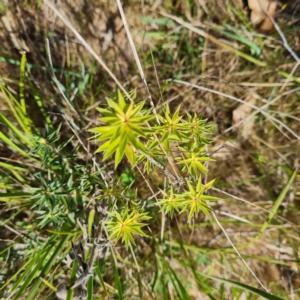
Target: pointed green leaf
x,y
121,100
137,109
115,107
210,198
130,153
120,150
91,222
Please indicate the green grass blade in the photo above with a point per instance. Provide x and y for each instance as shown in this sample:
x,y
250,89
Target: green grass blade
x,y
23,137
238,37
19,177
39,259
39,103
9,142
98,272
29,279
36,67
72,280
278,203
156,274
274,210
91,222
12,167
164,287
183,291
287,75
57,272
14,194
26,267
117,279
179,288
12,216
22,73
216,41
44,272
90,288
244,287
15,108
192,266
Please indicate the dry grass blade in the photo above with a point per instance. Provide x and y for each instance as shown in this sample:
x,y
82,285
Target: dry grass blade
x,y
253,205
238,253
86,45
136,57
264,107
284,40
271,118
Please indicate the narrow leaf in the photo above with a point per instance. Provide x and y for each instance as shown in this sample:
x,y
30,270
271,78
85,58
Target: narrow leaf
x,y
243,287
91,222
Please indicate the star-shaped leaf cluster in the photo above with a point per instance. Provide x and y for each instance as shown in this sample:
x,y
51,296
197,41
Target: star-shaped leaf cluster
x,y
192,200
192,161
124,225
125,124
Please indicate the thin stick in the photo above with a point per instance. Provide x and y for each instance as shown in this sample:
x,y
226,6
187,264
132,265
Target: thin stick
x,y
254,205
238,100
264,107
284,40
148,185
238,253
